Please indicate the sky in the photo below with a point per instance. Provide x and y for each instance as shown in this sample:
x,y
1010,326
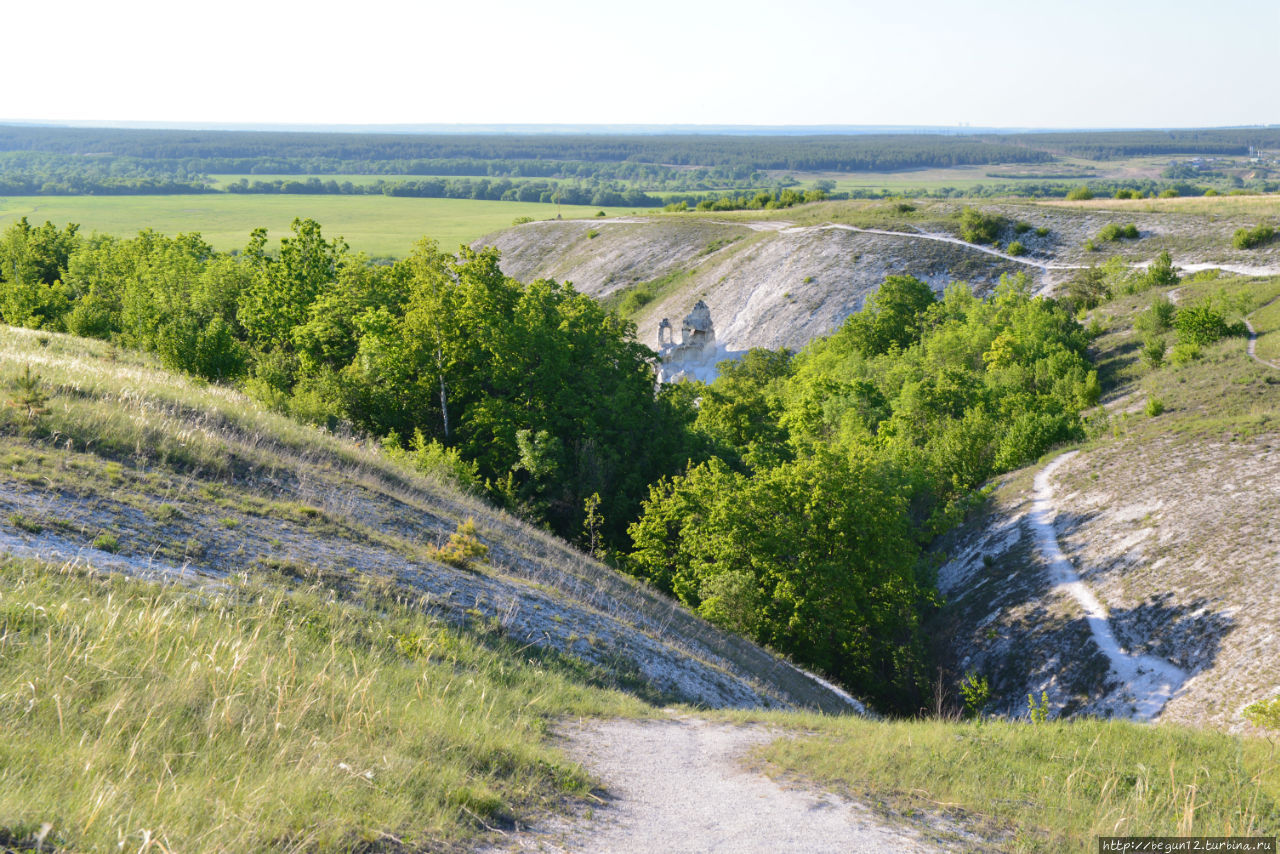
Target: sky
x,y
1082,63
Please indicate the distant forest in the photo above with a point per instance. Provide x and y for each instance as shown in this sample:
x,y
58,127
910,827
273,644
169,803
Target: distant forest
x,y
608,170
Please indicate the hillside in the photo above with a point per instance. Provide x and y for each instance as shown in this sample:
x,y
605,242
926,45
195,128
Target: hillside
x,y
195,481
1167,516
781,278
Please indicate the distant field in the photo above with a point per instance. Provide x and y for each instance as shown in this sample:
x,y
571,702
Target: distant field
x,y
1255,205
379,225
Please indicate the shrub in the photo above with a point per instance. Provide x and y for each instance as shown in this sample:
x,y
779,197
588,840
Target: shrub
x,y
1169,193
521,220
463,549
1264,713
1157,317
1086,289
601,213
1038,712
1016,248
592,234
979,227
435,460
1183,354
976,692
1090,246
31,396
1155,406
1021,227
1161,272
1128,194
1200,324
1251,238
1042,231
1153,351
1080,194
1115,231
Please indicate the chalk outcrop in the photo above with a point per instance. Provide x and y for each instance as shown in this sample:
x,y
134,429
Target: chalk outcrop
x,y
696,354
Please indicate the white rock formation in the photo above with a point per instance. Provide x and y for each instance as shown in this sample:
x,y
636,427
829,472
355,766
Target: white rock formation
x,y
696,354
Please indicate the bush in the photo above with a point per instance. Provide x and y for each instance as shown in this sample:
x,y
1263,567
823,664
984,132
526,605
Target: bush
x,y
1161,272
1169,193
1264,713
979,227
1200,324
1021,227
1154,407
1153,351
1042,231
1114,231
1251,238
1080,194
521,220
463,549
592,234
1184,354
1158,317
1086,289
1016,248
976,691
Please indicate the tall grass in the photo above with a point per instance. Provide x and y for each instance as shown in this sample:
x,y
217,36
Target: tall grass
x,y
254,718
1051,787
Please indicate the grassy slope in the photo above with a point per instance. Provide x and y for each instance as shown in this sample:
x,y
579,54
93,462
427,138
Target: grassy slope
x,y
255,717
1266,322
379,225
1048,787
306,636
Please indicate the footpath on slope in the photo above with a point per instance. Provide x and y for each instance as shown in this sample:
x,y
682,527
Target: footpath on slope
x,y
1147,683
1253,343
678,786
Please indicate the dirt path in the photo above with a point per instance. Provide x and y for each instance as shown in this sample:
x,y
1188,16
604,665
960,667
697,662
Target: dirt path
x,y
1253,344
679,786
1146,682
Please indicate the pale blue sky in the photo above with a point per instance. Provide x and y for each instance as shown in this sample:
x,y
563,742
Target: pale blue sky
x,y
1024,64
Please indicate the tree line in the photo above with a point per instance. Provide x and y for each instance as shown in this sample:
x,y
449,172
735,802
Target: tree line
x,y
801,153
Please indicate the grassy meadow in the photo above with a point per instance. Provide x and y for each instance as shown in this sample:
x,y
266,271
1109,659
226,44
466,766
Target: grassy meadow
x,y
378,225
1043,787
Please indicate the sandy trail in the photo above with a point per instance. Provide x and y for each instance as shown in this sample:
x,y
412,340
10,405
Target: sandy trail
x,y
678,786
1147,682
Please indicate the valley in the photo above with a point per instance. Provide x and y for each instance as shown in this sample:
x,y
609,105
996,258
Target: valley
x,y
969,546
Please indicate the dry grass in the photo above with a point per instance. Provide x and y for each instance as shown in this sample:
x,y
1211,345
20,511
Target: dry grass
x,y
251,717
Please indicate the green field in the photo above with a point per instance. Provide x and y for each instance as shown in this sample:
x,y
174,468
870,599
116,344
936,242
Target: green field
x,y
379,225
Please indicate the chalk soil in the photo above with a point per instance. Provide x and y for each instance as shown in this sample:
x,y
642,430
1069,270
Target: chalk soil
x,y
680,786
